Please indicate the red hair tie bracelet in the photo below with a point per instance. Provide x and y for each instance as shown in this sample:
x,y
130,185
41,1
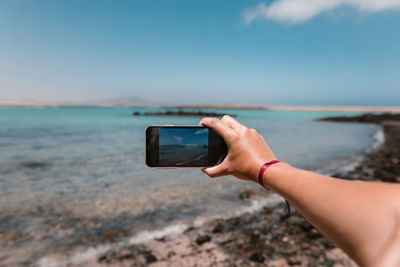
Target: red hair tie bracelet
x,y
260,176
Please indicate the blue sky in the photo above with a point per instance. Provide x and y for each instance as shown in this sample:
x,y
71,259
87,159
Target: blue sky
x,y
282,52
173,136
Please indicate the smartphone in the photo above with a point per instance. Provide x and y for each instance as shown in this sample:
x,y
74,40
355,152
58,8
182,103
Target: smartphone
x,y
183,146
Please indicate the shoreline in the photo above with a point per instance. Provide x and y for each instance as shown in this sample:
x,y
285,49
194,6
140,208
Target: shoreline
x,y
298,108
267,236
105,104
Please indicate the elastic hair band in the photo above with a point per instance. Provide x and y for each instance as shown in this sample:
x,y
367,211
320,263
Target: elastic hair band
x,y
260,176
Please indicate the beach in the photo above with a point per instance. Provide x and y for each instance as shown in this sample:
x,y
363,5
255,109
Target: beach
x,y
267,235
76,191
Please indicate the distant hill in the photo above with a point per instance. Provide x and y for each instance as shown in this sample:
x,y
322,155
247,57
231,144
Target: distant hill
x,y
126,101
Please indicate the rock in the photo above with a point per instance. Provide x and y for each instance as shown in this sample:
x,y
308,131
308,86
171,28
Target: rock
x,y
218,228
305,246
150,258
285,239
200,240
295,260
110,233
257,257
162,239
366,118
328,244
183,113
274,218
246,194
191,228
313,234
34,164
264,223
290,250
103,258
171,254
234,221
267,210
277,263
255,236
395,161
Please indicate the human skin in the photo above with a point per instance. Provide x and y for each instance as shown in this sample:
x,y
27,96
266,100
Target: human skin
x,y
390,255
359,217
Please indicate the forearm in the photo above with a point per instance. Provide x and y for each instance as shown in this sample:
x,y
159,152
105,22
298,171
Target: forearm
x,y
357,216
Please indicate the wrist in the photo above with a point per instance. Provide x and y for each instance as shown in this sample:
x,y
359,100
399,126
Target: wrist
x,y
271,175
261,177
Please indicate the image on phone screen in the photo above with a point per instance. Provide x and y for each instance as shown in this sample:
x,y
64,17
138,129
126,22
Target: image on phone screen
x,y
183,147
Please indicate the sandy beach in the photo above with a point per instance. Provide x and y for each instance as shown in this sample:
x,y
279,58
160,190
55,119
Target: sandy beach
x,y
298,108
263,235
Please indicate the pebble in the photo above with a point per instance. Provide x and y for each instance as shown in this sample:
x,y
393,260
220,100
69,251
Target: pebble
x,y
257,257
264,223
295,260
150,258
285,239
255,236
110,233
218,228
274,218
200,240
305,246
171,254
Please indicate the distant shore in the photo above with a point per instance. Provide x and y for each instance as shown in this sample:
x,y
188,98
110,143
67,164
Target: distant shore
x,y
232,107
299,108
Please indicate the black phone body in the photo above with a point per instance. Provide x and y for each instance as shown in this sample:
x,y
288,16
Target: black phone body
x,y
183,146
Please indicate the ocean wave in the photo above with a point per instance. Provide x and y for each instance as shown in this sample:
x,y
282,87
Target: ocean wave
x,y
78,258
348,163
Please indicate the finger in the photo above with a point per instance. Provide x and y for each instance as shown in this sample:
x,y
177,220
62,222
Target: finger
x,y
231,122
216,171
218,126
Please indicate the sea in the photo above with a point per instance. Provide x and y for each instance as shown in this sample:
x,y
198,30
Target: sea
x,y
74,178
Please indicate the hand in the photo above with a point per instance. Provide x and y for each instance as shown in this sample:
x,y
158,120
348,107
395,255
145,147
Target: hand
x,y
390,257
247,150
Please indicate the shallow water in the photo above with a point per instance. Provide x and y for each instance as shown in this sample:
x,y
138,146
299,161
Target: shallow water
x,y
69,174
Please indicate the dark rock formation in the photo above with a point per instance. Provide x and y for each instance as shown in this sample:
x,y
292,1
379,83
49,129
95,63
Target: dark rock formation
x,y
183,113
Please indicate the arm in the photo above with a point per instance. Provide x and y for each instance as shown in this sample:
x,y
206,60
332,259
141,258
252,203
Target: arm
x,y
358,216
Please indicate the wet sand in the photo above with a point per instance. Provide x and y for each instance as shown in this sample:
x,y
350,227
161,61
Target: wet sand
x,y
268,237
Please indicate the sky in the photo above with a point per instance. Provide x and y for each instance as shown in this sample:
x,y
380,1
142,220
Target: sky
x,y
277,52
191,136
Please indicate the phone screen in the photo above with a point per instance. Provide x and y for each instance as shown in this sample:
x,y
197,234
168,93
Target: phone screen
x,y
180,147
183,146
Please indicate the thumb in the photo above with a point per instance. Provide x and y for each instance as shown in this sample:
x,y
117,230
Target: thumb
x,y
216,171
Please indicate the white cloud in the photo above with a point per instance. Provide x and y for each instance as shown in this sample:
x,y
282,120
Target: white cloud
x,y
297,11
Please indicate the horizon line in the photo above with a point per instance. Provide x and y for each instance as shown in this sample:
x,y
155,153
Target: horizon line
x,y
106,104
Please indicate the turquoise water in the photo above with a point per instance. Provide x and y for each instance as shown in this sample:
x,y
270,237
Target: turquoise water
x,y
66,174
